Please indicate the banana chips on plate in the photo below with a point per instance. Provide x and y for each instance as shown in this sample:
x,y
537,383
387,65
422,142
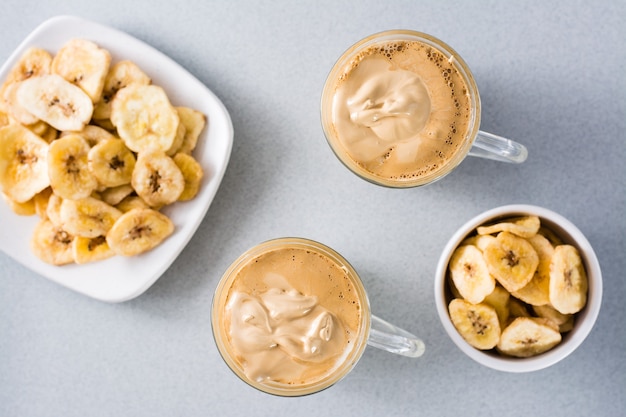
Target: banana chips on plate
x,y
109,152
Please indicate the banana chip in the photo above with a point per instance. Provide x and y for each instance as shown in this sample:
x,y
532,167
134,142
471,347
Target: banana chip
x,y
157,179
90,249
111,162
33,62
119,76
23,163
528,336
568,280
192,173
144,118
138,231
26,208
84,64
478,324
527,226
511,260
56,101
52,244
470,274
68,168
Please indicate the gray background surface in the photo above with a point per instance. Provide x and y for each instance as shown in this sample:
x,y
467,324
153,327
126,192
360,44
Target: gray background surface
x,y
551,75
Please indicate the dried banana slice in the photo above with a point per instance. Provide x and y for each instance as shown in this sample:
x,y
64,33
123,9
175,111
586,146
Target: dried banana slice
x,y
194,122
52,244
144,117
480,241
86,249
131,202
192,173
23,163
564,322
499,300
526,226
41,200
44,130
119,76
88,217
56,101
106,124
568,280
68,168
14,108
551,236
528,336
92,134
470,274
138,231
477,323
178,140
53,210
518,308
511,260
26,208
111,162
84,64
113,196
536,292
33,62
157,179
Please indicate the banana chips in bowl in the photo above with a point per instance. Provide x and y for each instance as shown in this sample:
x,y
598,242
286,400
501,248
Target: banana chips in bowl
x,y
110,156
518,288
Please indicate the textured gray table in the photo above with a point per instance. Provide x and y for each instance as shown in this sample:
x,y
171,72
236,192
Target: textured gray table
x,y
551,75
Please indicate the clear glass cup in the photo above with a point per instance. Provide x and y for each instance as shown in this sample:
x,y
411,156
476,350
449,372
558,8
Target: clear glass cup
x,y
476,142
372,330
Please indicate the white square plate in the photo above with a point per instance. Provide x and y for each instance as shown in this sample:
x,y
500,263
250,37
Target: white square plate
x,y
119,279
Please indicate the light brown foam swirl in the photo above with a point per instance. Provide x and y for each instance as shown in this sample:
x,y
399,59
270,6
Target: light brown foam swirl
x,y
401,109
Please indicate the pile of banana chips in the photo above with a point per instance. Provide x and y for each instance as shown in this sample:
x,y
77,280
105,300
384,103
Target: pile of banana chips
x,y
516,287
95,150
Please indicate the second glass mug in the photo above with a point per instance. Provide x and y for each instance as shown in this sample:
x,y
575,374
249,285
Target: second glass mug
x,y
371,330
475,143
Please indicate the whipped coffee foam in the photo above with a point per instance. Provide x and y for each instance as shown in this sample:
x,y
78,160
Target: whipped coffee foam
x,y
394,105
278,332
401,109
291,317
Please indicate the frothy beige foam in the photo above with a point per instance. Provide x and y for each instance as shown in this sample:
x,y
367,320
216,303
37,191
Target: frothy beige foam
x,y
291,317
401,109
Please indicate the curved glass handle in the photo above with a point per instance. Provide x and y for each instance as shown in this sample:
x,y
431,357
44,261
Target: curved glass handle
x,y
495,147
388,337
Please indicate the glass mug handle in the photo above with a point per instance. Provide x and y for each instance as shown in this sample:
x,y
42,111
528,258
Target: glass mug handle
x,y
490,146
386,336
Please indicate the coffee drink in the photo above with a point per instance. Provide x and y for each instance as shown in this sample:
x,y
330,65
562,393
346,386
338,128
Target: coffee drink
x,y
290,316
400,109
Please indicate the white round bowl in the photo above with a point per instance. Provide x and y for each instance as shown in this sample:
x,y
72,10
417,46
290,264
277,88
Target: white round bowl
x,y
585,319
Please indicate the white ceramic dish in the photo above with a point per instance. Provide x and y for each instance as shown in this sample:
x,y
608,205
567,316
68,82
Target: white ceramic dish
x,y
119,279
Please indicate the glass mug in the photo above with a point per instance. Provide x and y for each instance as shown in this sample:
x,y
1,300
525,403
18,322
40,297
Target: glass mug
x,y
291,317
401,109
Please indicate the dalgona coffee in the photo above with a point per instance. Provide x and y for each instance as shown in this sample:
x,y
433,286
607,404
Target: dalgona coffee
x,y
400,109
289,319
